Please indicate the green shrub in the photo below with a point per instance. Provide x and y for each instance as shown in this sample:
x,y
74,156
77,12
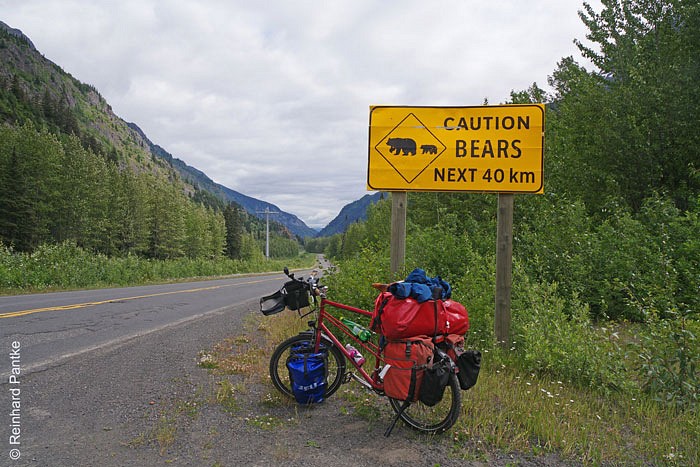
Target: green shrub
x,y
554,336
66,265
668,351
351,281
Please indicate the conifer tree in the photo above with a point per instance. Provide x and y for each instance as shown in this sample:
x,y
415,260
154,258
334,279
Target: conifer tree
x,y
234,231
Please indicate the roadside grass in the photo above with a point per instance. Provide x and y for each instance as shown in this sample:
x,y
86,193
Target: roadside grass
x,y
507,411
363,403
69,267
246,356
512,411
169,421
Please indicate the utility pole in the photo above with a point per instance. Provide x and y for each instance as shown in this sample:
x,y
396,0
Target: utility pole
x,y
267,213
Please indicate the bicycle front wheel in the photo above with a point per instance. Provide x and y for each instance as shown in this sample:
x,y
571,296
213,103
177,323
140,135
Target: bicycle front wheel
x,y
435,419
279,373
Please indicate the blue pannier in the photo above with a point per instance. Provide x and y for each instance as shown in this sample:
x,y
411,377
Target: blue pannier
x,y
308,373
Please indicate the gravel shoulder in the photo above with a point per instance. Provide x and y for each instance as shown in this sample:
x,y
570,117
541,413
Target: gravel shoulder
x,y
147,402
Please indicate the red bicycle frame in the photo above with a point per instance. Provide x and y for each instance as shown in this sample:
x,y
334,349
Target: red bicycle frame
x,y
321,328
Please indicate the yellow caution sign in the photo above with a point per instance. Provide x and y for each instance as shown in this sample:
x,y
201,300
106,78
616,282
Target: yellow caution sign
x,y
486,148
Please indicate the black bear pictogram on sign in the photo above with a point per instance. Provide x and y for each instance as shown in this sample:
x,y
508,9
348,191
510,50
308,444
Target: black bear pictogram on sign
x,y
405,145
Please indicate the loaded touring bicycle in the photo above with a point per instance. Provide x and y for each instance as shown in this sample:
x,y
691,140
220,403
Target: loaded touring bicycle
x,y
413,354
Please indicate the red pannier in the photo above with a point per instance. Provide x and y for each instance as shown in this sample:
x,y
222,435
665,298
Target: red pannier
x,y
402,318
405,363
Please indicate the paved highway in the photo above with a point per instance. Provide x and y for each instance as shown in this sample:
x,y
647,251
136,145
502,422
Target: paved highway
x,y
52,327
88,376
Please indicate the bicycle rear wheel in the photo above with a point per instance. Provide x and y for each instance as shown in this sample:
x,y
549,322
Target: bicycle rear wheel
x,y
435,419
278,363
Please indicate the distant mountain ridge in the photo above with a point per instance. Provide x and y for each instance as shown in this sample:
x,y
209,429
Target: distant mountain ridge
x,y
252,205
351,213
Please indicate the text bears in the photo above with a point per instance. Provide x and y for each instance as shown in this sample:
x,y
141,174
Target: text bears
x,y
499,149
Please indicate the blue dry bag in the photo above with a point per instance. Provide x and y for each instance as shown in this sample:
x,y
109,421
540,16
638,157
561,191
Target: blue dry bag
x,y
307,372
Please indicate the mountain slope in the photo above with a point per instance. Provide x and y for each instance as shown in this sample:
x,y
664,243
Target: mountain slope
x,y
353,212
32,88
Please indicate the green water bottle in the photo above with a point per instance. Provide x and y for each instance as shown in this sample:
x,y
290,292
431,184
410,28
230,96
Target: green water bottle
x,y
362,333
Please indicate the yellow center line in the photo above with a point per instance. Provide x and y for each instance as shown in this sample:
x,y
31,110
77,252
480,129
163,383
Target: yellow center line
x,y
13,314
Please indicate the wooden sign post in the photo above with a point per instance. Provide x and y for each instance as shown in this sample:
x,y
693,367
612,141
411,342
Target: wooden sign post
x,y
399,200
504,264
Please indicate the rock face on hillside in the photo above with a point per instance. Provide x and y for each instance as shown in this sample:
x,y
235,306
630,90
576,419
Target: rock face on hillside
x,y
16,33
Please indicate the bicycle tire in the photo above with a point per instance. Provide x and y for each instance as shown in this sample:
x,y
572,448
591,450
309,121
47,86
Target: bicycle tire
x,y
278,364
436,419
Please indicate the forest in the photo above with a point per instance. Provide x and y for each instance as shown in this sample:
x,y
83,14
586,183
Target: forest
x,y
606,273
56,193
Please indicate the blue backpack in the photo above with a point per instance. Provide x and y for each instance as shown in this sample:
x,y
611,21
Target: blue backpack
x,y
307,372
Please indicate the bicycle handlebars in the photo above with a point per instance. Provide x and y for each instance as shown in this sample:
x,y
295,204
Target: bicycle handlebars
x,y
311,284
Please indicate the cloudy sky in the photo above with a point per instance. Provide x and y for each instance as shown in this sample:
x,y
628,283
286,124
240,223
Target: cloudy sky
x,y
271,97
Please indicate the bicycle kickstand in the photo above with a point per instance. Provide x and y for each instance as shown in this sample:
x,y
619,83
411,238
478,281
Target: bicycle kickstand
x,y
404,406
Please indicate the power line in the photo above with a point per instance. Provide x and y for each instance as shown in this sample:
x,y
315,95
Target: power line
x,y
267,213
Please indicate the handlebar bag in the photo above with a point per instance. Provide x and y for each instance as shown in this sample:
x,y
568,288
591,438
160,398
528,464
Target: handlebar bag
x,y
399,318
308,373
296,295
405,363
